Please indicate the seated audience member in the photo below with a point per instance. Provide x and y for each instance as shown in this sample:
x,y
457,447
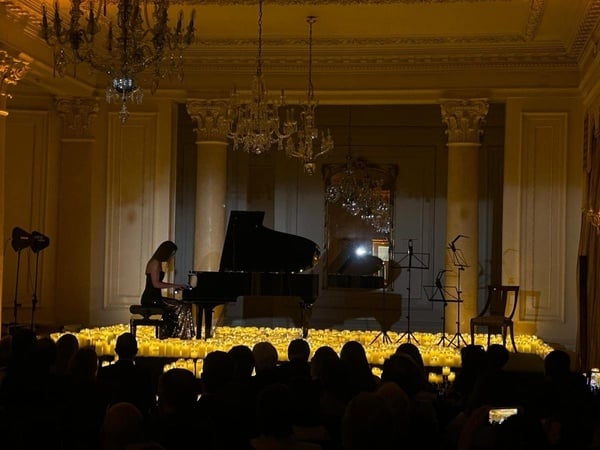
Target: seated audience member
x,y
220,402
66,346
274,416
494,386
176,420
243,362
323,353
368,424
297,365
84,408
124,381
401,369
567,403
400,406
360,375
266,361
123,426
413,351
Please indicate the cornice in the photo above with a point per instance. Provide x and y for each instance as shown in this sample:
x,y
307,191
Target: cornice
x,y
586,29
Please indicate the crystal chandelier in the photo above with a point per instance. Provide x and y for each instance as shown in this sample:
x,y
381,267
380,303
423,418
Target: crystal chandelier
x,y
256,124
360,194
138,41
310,142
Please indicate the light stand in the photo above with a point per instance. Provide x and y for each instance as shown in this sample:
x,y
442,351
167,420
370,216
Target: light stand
x,y
38,243
459,262
420,265
20,240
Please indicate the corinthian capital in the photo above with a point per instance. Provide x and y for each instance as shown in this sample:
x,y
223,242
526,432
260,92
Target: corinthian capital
x,y
12,69
211,119
464,119
77,114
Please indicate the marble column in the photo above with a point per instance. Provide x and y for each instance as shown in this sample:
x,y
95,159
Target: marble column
x,y
210,117
12,70
464,120
74,218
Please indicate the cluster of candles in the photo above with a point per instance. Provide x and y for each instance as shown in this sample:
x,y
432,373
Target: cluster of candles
x,y
189,354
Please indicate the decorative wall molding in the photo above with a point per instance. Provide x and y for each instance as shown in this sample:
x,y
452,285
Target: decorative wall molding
x,y
132,192
543,218
77,114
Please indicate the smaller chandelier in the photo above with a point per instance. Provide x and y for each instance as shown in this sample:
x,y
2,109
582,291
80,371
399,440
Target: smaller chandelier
x,y
310,142
256,125
361,195
137,42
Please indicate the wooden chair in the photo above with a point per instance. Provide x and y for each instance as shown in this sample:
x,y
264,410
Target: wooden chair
x,y
146,312
494,316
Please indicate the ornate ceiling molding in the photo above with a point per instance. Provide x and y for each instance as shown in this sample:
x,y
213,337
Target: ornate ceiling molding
x,y
586,29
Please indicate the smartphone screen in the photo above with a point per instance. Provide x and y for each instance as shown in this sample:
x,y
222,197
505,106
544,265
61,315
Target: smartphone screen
x,y
498,415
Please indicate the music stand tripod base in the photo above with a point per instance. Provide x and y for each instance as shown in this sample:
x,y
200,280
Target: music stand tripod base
x,y
458,337
385,337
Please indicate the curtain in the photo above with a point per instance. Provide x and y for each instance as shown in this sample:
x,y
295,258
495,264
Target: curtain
x,y
588,341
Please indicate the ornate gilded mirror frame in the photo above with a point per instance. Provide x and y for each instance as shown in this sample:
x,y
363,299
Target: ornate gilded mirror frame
x,y
359,222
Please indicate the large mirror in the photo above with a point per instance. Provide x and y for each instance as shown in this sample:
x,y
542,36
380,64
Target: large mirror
x,y
359,211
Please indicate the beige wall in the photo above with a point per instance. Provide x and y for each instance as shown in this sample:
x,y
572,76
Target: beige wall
x,y
93,268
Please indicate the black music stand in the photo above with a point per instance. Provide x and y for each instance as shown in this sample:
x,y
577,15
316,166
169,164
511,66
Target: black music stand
x,y
458,261
412,261
445,297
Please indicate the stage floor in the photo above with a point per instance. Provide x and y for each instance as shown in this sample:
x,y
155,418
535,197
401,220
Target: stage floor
x,y
438,351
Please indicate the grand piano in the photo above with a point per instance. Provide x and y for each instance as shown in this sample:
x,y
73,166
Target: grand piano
x,y
255,261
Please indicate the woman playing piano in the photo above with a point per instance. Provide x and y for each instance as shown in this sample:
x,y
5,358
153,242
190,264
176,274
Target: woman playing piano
x,y
178,315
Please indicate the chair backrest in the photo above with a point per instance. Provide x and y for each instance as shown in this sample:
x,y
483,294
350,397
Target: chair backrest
x,y
499,296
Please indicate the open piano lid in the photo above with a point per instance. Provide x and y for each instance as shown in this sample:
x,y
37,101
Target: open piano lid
x,y
251,247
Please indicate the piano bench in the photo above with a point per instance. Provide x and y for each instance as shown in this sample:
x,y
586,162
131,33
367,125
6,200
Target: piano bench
x,y
146,312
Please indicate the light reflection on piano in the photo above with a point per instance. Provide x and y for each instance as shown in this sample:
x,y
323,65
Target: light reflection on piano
x,y
256,261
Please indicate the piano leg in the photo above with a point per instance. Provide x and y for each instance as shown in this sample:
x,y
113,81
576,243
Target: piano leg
x,y
205,311
306,314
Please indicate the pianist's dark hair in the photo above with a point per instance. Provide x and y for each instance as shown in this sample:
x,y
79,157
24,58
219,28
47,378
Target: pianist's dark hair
x,y
165,251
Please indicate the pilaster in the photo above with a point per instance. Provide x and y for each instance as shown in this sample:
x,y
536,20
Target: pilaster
x,y
74,237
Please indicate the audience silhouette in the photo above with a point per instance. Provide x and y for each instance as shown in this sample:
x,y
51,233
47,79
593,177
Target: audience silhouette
x,y
124,381
54,396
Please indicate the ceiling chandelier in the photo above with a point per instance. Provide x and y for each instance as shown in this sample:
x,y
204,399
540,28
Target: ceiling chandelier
x,y
361,194
309,143
138,40
256,124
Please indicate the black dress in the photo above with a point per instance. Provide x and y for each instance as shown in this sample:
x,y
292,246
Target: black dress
x,y
179,322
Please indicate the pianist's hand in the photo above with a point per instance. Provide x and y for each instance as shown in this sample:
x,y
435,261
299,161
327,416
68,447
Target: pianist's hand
x,y
179,287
